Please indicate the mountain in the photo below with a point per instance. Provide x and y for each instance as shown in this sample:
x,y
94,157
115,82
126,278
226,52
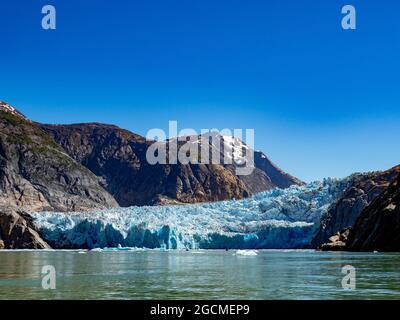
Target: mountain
x,y
91,165
119,157
344,213
37,174
378,226
265,176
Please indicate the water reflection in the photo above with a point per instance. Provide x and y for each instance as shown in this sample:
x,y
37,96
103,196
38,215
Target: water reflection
x,y
153,274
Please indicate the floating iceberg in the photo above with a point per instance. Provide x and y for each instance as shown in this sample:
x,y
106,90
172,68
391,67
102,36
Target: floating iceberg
x,y
277,219
246,253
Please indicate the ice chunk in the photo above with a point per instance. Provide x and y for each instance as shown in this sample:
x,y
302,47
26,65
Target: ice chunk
x,y
246,252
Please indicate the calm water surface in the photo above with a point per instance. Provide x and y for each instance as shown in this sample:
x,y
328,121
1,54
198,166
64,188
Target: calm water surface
x,y
208,274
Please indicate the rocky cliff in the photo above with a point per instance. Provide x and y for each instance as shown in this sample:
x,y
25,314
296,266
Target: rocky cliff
x,y
378,226
18,232
37,174
344,213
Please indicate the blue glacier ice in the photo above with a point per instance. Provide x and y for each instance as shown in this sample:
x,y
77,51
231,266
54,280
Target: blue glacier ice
x,y
279,219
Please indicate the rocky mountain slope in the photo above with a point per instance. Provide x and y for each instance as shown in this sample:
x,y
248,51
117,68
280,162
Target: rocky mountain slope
x,y
119,157
11,110
37,174
86,166
344,213
378,226
18,232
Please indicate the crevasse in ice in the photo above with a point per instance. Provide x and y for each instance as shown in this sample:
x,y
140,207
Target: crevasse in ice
x,y
280,218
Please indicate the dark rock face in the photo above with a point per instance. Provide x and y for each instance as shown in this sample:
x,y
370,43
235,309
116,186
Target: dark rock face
x,y
274,174
344,213
18,232
266,176
119,157
378,226
37,174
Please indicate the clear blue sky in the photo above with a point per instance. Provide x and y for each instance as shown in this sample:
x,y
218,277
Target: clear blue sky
x,y
323,101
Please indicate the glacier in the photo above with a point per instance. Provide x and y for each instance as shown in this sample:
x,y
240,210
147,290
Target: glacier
x,y
276,219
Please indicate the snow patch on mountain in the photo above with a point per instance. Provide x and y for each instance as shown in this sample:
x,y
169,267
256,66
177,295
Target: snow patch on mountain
x,y
235,149
10,109
231,148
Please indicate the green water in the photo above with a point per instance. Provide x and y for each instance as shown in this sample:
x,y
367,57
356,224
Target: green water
x,y
154,274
